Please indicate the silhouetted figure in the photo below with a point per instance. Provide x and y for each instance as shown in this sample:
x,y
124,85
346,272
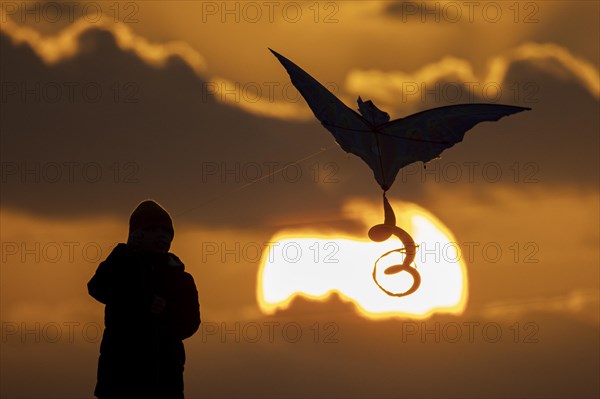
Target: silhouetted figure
x,y
151,306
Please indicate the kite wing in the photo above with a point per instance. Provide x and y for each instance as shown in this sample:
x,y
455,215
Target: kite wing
x,y
351,131
388,146
425,135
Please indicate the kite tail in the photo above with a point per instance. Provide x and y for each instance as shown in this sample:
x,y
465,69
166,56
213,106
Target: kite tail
x,y
390,217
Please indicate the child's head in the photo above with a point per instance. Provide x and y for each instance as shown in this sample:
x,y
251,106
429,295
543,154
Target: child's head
x,y
150,228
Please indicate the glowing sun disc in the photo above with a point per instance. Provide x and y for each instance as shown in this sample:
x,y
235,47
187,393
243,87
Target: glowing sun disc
x,y
312,265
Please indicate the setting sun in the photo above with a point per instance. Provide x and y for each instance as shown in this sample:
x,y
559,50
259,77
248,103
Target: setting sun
x,y
312,265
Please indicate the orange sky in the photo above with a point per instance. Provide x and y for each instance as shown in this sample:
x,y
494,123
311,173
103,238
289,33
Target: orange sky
x,y
73,168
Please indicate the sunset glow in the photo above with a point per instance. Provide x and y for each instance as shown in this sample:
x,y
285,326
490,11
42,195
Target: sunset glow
x,y
328,246
314,266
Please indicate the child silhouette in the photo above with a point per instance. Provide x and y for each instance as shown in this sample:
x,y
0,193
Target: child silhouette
x,y
151,306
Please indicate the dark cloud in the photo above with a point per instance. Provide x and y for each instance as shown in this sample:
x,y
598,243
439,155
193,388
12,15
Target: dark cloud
x,y
556,143
100,131
173,141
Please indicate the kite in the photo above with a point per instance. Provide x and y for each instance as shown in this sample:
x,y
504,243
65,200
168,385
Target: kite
x,y
387,146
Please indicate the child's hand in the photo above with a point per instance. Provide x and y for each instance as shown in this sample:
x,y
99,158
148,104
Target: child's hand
x,y
158,305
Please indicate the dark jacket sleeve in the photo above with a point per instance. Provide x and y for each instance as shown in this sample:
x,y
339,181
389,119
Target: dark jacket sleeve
x,y
186,313
101,286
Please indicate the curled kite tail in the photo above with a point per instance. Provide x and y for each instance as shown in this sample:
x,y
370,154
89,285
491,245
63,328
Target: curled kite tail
x,y
390,217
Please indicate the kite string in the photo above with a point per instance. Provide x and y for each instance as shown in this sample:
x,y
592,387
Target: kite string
x,y
237,189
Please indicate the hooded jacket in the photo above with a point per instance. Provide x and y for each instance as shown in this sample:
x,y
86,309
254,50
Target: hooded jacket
x,y
142,354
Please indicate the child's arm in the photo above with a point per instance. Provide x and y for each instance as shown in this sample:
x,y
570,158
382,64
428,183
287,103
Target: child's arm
x,y
185,314
102,285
